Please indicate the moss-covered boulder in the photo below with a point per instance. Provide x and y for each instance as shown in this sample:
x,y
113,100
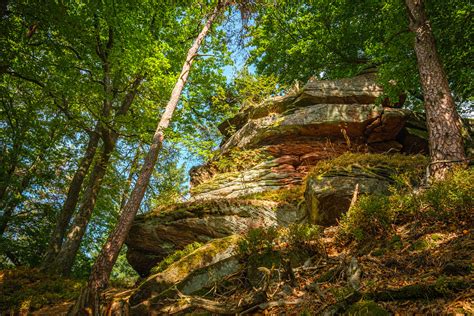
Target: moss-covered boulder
x,y
331,185
156,235
200,269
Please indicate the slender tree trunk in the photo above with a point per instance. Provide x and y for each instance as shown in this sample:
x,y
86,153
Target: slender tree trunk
x,y
67,211
443,121
64,260
99,279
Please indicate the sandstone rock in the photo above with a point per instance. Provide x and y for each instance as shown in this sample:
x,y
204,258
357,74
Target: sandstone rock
x,y
200,269
331,185
323,121
157,235
414,135
328,196
361,89
301,138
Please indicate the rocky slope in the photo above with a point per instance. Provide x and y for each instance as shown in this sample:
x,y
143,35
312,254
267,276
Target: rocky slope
x,y
273,146
270,171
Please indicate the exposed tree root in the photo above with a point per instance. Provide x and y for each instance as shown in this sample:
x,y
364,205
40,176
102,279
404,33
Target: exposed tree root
x,y
224,308
421,291
409,292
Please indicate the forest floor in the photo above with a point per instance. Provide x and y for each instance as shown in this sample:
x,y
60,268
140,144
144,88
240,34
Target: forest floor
x,y
425,268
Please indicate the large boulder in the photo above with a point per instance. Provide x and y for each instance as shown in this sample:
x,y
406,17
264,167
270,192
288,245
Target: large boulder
x,y
158,234
331,186
198,270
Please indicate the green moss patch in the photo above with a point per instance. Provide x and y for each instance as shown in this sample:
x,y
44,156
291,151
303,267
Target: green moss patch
x,y
197,208
374,162
291,195
177,255
367,308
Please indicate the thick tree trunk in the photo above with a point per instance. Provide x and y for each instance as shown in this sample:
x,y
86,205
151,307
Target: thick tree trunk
x,y
443,121
67,211
104,263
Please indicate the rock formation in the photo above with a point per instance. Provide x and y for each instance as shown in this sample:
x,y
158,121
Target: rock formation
x,y
297,158
272,146
294,132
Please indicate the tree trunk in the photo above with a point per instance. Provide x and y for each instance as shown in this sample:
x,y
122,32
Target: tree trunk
x,y
131,174
99,278
64,217
64,260
443,121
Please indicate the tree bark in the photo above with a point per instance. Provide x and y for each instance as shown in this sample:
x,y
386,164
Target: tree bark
x,y
131,174
443,121
99,278
67,211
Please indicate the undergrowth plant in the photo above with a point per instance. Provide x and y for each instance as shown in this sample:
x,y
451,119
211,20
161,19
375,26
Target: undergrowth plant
x,y
238,159
295,237
447,201
25,290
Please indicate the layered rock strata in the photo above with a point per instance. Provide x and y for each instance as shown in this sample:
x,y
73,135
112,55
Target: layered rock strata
x,y
323,120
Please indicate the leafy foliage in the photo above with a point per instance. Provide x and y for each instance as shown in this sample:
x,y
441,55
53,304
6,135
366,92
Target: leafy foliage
x,y
331,39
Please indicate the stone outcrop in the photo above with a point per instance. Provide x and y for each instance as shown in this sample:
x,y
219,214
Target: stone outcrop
x,y
292,159
321,121
329,196
200,269
268,147
156,235
330,189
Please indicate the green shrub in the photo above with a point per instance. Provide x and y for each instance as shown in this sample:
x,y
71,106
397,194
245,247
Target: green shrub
x,y
238,159
295,237
305,236
258,240
369,217
175,256
450,200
